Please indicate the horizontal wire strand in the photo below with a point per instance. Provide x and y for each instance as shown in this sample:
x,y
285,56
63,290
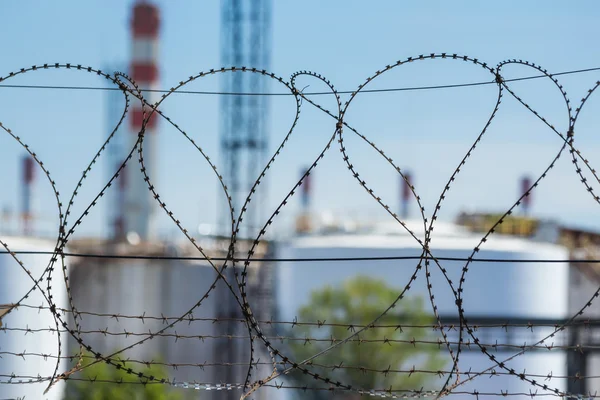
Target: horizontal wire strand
x,y
220,93
310,259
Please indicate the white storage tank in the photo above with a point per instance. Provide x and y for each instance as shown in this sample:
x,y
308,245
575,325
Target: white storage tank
x,y
508,289
14,284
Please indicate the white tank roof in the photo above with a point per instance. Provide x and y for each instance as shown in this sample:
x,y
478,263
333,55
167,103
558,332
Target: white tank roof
x,y
417,227
444,236
27,243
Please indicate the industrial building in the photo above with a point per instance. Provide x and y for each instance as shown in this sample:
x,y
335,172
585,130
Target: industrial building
x,y
133,291
123,292
126,291
520,288
507,290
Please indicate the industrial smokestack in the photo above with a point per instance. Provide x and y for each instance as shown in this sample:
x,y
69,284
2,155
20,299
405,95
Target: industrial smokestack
x,y
303,223
116,152
526,202
119,228
306,187
406,193
141,208
26,206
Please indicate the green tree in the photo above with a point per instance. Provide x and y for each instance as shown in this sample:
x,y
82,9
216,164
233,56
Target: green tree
x,y
358,302
84,387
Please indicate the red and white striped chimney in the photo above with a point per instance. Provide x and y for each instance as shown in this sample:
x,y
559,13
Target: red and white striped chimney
x,y
27,194
140,209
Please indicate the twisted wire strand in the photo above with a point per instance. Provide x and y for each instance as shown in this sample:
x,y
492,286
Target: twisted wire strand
x,y
307,339
311,259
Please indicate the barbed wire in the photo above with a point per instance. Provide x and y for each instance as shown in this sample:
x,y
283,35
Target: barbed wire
x,y
412,370
585,323
232,273
306,340
393,393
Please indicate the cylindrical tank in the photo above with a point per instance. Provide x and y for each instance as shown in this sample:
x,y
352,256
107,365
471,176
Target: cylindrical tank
x,y
22,351
154,289
506,289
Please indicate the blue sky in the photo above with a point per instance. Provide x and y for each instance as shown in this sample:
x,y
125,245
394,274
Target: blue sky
x,y
347,41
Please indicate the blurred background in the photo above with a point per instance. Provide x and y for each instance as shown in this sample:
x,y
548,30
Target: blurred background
x,y
333,253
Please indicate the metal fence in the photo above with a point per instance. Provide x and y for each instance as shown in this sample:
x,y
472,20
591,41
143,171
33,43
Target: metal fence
x,y
269,343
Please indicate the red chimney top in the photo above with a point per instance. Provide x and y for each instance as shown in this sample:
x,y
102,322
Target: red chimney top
x,y
145,20
28,169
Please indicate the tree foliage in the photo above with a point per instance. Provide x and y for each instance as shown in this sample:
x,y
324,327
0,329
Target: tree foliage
x,y
92,383
358,302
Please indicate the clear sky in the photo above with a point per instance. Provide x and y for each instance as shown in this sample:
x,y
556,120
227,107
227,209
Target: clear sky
x,y
426,132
